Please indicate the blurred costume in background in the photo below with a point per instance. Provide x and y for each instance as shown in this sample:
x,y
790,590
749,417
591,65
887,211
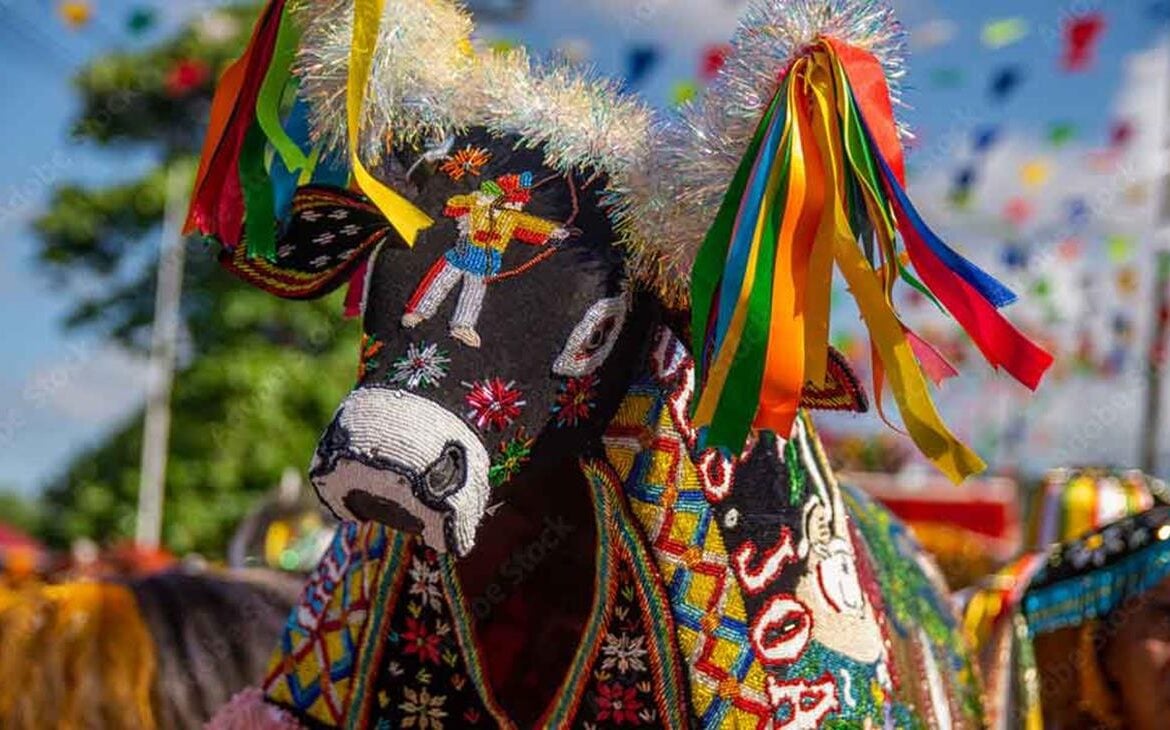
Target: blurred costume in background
x,y
164,651
1045,625
1074,502
970,532
562,504
287,531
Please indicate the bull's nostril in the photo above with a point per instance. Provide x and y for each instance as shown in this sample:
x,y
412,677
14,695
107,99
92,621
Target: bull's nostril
x,y
448,473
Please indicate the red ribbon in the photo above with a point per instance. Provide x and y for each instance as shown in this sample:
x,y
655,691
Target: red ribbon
x,y
217,203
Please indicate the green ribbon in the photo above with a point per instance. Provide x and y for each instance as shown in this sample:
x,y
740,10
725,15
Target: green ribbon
x,y
707,272
272,92
259,199
737,409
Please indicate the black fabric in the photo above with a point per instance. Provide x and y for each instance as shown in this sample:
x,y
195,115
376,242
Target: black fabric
x,y
330,232
1103,550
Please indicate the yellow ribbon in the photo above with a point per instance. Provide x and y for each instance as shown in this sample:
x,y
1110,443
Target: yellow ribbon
x,y
818,294
407,219
909,386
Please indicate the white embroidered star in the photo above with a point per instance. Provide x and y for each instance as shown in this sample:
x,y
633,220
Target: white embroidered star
x,y
624,652
325,238
425,584
422,366
340,214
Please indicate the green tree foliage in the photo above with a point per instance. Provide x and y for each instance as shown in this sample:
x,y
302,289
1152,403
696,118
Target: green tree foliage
x,y
21,511
261,376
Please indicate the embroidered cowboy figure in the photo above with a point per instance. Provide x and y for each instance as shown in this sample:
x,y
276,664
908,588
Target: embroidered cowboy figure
x,y
488,219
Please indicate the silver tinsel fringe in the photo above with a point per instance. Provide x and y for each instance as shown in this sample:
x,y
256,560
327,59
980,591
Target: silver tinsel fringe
x,y
666,177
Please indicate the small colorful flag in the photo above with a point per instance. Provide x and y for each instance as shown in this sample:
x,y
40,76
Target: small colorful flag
x,y
713,59
1061,133
1121,134
1035,173
639,62
946,78
1005,32
682,92
1070,249
75,13
186,76
1082,33
1018,211
1119,247
985,139
932,34
1005,81
141,20
1078,212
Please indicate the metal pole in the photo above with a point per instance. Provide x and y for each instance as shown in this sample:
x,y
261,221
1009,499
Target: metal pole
x,y
1160,296
1156,362
163,341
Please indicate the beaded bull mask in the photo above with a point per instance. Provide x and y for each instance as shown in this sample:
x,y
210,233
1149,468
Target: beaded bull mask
x,y
526,246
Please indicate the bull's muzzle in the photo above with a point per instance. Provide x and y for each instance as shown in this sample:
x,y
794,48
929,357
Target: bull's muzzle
x,y
394,457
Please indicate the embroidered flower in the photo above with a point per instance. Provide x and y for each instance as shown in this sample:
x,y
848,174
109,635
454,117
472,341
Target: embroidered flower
x,y
617,703
624,652
422,366
574,401
512,456
423,710
493,403
425,584
371,346
419,640
467,161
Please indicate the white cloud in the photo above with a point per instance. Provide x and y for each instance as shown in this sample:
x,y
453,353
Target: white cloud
x,y
93,386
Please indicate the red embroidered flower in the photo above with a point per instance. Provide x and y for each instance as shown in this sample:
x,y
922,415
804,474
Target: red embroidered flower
x,y
618,703
574,401
419,640
494,404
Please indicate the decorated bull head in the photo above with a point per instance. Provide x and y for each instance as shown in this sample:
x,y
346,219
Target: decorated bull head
x,y
513,232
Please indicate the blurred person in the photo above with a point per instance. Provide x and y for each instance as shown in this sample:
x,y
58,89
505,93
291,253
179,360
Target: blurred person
x,y
1078,637
162,651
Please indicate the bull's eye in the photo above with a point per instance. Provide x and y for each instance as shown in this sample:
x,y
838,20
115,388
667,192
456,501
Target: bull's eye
x,y
598,337
593,338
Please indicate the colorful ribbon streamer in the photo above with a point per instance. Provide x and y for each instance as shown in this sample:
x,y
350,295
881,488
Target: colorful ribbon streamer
x,y
823,172
241,190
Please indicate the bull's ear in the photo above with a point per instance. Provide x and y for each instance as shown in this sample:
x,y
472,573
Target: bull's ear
x,y
841,392
329,232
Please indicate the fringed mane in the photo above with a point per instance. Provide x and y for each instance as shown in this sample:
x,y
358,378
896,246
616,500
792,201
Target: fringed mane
x,y
428,80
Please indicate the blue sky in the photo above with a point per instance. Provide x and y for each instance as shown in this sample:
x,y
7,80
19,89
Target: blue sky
x,y
60,391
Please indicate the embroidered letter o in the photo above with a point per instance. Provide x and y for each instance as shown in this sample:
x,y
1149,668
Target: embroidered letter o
x,y
782,631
